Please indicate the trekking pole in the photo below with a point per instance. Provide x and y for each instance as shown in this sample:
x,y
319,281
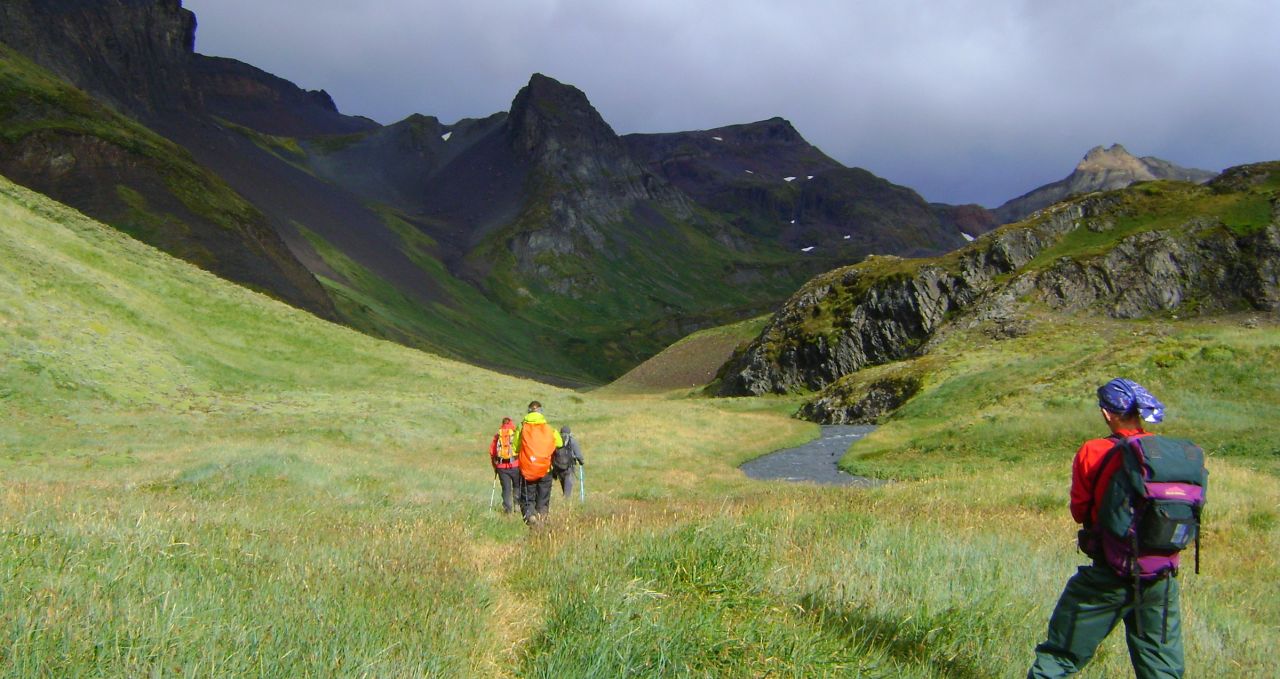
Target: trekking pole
x,y
493,491
582,487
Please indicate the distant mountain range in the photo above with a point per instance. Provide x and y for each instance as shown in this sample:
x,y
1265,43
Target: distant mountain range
x,y
535,240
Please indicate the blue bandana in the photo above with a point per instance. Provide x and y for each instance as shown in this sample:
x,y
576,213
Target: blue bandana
x,y
1126,397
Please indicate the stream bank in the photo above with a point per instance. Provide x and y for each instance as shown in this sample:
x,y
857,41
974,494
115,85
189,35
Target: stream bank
x,y
814,461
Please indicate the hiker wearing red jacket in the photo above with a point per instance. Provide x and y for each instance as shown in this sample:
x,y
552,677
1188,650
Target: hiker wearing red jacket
x,y
535,442
502,455
1096,599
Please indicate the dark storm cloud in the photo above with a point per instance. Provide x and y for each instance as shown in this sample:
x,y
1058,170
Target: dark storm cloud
x,y
965,101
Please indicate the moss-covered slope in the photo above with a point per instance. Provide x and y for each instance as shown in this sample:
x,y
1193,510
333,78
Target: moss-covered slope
x,y
58,140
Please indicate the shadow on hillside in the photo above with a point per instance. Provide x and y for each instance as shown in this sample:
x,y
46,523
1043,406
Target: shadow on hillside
x,y
908,643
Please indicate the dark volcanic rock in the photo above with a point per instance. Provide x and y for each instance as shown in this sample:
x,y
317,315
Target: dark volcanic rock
x,y
773,184
582,183
848,403
249,96
565,139
131,53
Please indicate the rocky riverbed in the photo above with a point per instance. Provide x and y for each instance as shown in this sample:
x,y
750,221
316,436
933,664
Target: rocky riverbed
x,y
815,461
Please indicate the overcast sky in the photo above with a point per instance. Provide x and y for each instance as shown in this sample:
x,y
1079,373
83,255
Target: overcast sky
x,y
961,100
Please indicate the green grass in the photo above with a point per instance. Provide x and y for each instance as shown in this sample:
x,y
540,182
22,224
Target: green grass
x,y
1215,376
199,481
691,362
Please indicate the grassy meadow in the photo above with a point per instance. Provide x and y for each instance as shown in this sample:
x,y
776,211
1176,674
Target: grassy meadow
x,y
200,481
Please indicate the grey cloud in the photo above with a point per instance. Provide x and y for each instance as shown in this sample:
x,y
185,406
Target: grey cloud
x,y
964,101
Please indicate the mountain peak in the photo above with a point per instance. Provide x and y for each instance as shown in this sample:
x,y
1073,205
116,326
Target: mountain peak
x,y
1114,159
548,114
552,99
547,110
773,129
1102,169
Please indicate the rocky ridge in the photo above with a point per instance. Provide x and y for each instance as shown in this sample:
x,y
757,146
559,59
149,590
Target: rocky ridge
x,y
887,309
248,96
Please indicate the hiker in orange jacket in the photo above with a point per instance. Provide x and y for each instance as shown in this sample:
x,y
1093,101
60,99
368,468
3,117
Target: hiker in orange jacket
x,y
502,455
535,442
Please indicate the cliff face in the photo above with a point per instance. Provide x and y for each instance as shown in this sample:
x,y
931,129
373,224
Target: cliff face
x,y
1102,169
133,54
887,309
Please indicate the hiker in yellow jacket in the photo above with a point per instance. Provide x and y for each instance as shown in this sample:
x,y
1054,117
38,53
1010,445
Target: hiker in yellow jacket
x,y
535,442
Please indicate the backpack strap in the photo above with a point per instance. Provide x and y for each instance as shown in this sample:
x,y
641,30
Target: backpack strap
x,y
1196,509
1120,444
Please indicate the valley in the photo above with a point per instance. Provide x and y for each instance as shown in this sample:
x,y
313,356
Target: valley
x,y
253,351
200,479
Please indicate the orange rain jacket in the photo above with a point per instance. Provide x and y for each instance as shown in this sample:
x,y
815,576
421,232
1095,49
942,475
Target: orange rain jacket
x,y
534,443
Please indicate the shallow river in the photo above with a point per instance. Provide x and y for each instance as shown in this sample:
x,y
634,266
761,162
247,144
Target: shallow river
x,y
815,461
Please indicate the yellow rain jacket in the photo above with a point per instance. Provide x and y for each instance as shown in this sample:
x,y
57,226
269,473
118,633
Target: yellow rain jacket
x,y
534,442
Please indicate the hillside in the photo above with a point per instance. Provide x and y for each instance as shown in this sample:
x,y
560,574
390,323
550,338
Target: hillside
x,y
691,362
596,251
771,183
56,139
1162,249
199,480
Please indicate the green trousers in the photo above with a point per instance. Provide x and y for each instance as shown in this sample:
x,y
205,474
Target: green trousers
x,y
1094,600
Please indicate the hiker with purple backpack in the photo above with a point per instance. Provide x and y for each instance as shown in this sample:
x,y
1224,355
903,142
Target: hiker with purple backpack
x,y
1138,497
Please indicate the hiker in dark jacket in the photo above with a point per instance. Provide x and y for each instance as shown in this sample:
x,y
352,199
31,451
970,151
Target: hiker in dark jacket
x,y
1096,598
566,458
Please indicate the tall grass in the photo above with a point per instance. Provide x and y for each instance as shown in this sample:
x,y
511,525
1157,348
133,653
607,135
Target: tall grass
x,y
200,481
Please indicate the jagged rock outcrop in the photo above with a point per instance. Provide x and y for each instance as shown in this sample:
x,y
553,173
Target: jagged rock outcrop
x,y
1102,169
886,309
1159,271
579,163
852,401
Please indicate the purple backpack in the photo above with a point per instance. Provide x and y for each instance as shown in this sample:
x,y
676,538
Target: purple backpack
x,y
1151,509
